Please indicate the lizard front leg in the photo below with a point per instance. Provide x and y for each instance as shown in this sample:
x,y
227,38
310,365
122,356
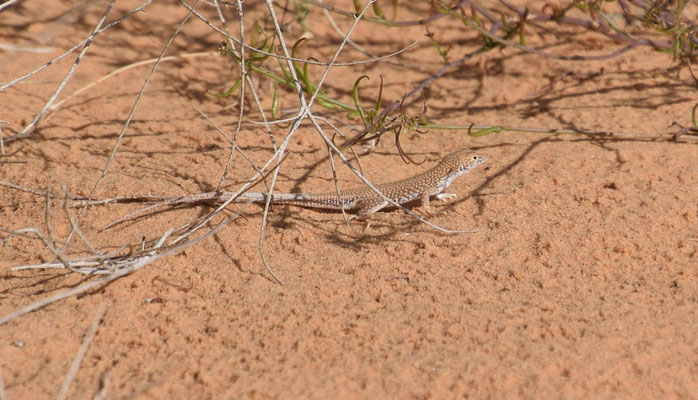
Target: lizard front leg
x,y
426,205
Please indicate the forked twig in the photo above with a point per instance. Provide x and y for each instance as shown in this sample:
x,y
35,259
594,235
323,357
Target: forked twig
x,y
118,267
133,265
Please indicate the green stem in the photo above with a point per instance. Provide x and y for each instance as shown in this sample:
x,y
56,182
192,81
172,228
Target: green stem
x,y
290,85
475,129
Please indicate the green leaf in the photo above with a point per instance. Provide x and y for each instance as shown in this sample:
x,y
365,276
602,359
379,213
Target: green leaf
x,y
275,102
485,132
324,103
310,87
357,102
380,96
357,6
227,92
377,10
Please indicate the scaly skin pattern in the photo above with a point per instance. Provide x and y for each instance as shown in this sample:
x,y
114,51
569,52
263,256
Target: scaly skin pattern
x,y
422,186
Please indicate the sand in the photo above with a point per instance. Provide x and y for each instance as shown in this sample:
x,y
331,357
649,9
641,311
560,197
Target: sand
x,y
582,281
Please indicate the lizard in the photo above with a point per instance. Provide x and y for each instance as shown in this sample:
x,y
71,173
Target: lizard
x,y
422,186
419,187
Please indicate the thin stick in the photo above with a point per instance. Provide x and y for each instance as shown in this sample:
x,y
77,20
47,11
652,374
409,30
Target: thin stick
x,y
2,142
27,233
287,57
81,352
359,48
125,68
128,120
336,183
102,390
3,395
73,225
48,240
40,50
137,264
8,3
241,112
48,64
22,188
95,32
282,148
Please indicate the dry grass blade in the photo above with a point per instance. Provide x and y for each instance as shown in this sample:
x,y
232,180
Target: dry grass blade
x,y
3,394
126,124
77,61
103,389
126,267
241,112
54,108
75,47
89,335
8,3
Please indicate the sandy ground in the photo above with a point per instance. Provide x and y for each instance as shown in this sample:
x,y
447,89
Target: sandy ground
x,y
583,281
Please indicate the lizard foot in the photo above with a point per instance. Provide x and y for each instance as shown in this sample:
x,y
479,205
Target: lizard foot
x,y
445,196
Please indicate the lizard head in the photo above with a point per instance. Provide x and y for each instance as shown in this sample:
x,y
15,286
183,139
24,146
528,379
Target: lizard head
x,y
458,164
462,161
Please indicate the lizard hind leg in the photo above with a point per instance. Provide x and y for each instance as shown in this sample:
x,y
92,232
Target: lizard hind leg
x,y
368,211
366,214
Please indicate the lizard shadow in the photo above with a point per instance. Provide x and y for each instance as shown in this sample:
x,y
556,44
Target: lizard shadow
x,y
309,172
384,226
